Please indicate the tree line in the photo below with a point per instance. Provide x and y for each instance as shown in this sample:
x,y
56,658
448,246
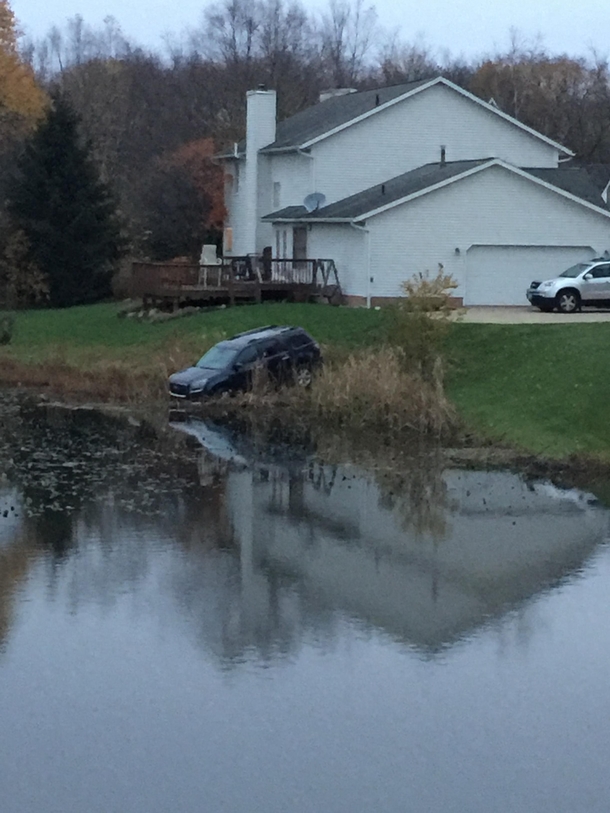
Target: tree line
x,y
151,121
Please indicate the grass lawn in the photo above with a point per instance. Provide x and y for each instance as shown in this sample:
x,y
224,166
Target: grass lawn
x,y
78,332
544,388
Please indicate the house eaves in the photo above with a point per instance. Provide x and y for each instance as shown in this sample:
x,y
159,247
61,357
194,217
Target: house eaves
x,y
496,111
306,217
524,173
498,162
412,185
479,166
420,88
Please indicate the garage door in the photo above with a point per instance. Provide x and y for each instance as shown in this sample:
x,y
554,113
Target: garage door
x,y
500,275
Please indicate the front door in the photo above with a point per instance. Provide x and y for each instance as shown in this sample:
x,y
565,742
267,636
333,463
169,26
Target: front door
x,y
299,244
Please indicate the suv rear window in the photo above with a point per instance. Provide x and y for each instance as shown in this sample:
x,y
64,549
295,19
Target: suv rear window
x,y
298,340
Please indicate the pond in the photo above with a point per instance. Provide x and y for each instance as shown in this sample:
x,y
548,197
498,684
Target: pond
x,y
218,621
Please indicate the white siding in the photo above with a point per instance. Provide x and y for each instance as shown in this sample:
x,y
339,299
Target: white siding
x,y
348,247
294,174
493,207
235,201
411,133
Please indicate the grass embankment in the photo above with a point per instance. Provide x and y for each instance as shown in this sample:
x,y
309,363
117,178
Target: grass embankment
x,y
541,388
88,352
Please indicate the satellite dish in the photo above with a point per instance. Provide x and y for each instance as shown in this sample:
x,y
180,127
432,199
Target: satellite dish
x,y
314,201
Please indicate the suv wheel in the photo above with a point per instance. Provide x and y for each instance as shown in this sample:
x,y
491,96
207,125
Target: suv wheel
x,y
304,376
568,301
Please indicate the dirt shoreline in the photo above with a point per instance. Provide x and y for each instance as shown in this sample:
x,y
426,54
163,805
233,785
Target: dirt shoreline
x,y
465,451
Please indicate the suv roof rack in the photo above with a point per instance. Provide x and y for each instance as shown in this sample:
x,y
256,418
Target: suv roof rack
x,y
254,330
262,329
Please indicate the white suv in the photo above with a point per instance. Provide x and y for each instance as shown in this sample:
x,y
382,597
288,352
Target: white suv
x,y
582,284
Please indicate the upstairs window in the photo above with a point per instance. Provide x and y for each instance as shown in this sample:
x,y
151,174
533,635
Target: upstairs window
x,y
277,192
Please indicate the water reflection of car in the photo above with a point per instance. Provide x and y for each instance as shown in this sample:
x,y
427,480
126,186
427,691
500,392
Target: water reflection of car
x,y
582,284
285,353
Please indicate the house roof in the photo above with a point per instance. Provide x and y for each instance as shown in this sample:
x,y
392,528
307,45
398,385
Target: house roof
x,y
325,118
381,194
578,181
575,182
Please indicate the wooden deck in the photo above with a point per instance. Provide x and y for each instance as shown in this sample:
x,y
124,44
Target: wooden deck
x,y
242,279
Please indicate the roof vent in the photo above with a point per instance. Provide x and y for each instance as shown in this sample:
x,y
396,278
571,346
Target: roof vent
x,y
377,100
443,155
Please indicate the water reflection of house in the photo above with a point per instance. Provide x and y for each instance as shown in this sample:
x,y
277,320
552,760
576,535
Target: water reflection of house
x,y
335,534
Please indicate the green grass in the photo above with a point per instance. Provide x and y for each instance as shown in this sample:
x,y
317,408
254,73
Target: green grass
x,y
97,327
542,388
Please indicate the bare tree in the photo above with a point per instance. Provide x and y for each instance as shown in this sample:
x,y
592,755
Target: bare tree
x,y
347,34
401,61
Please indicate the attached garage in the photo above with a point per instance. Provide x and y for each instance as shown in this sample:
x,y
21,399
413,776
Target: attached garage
x,y
500,275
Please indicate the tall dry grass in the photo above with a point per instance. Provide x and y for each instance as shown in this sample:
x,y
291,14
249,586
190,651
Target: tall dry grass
x,y
138,377
367,389
371,388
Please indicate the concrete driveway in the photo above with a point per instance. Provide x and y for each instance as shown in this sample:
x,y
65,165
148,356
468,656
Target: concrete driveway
x,y
527,315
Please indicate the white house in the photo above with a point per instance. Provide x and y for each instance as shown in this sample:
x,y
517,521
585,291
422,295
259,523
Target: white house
x,y
412,176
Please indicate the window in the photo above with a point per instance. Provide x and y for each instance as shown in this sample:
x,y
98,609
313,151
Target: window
x,y
277,191
236,179
248,355
271,350
601,272
298,340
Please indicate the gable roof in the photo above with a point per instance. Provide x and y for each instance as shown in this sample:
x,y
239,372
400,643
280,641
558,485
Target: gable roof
x,y
573,183
381,194
324,119
579,181
327,118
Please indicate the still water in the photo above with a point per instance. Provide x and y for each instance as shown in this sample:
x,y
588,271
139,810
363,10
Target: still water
x,y
227,623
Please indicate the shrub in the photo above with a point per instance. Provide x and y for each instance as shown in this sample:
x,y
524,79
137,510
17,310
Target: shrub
x,y
23,282
417,326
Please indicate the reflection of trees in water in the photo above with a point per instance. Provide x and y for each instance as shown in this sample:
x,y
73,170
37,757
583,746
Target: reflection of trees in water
x,y
76,471
15,562
409,476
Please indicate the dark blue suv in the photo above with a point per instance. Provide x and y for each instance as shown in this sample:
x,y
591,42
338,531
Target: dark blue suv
x,y
286,353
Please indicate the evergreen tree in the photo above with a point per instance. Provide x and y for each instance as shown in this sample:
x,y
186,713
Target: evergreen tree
x,y
65,211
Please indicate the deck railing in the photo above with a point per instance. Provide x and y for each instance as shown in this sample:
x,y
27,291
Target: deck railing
x,y
232,277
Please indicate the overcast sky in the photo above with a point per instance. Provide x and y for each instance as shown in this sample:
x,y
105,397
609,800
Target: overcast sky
x,y
464,27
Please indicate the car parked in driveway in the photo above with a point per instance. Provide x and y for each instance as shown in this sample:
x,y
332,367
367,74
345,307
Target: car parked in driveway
x,y
583,284
285,353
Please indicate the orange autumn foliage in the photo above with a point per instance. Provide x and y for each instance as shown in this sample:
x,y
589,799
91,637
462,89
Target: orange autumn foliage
x,y
20,94
208,178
